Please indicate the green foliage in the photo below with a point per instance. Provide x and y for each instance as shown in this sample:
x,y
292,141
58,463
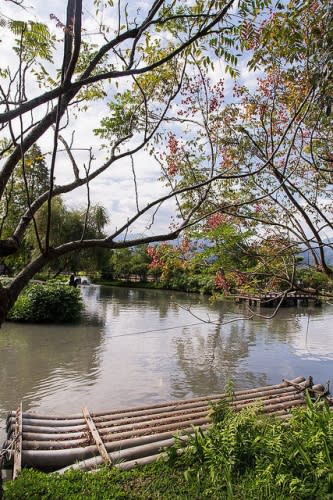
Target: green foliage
x,y
247,455
126,262
314,279
176,270
33,40
299,31
122,117
74,485
51,303
158,481
27,182
68,225
139,262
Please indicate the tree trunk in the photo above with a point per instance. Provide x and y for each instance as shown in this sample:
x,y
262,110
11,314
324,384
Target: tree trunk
x,y
4,302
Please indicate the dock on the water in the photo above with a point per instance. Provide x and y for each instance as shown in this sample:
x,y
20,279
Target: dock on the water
x,y
275,299
127,437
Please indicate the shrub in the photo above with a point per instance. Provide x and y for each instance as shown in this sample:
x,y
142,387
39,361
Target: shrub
x,y
247,455
50,303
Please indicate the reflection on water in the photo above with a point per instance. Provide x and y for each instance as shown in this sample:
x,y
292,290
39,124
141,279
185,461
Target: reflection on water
x,y
143,346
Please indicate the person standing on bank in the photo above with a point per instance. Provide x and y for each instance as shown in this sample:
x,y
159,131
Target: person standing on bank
x,y
72,280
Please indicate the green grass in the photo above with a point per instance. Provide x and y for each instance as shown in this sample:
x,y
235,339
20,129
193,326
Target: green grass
x,y
158,481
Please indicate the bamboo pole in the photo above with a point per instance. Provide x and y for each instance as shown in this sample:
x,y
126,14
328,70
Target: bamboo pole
x,y
18,443
136,452
173,427
175,403
130,464
109,434
64,457
107,421
96,436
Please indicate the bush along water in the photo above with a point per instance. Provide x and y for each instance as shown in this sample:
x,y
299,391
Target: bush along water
x,y
49,303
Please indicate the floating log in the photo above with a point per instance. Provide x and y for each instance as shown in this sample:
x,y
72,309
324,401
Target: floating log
x,y
132,435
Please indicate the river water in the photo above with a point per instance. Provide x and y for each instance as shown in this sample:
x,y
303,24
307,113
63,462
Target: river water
x,y
138,346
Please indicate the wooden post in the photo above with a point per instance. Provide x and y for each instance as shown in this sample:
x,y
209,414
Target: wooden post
x,y
96,436
18,443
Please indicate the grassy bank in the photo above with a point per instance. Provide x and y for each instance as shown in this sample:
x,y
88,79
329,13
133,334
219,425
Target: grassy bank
x,y
158,481
244,455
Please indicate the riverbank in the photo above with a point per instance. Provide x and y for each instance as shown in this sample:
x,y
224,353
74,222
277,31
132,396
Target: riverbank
x,y
135,284
242,455
157,285
158,481
267,299
148,285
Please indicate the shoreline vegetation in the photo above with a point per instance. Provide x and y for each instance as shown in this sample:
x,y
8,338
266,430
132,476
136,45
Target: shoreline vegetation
x,y
47,303
242,455
150,285
43,300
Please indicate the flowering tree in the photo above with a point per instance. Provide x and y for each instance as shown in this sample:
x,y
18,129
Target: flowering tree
x,y
148,69
284,128
133,62
267,150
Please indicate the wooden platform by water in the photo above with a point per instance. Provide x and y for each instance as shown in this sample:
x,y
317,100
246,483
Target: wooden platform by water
x,y
132,436
275,299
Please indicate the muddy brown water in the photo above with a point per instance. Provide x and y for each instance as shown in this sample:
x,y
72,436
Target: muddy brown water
x,y
138,346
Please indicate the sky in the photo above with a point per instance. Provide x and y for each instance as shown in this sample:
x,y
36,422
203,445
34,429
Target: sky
x,y
115,189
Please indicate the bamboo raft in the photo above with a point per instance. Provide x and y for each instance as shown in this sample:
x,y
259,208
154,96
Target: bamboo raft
x,y
129,437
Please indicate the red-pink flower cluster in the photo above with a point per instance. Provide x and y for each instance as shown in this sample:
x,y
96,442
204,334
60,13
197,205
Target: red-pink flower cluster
x,y
268,85
60,24
239,278
226,158
172,167
155,258
220,282
215,220
171,157
213,104
185,245
172,144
